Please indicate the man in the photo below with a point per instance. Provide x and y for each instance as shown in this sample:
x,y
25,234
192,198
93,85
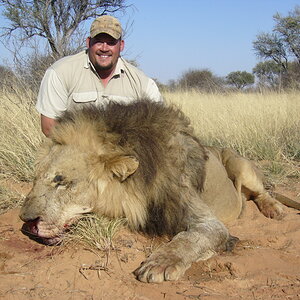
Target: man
x,y
94,76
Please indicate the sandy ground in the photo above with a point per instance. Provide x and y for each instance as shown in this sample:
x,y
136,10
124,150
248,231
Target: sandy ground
x,y
264,265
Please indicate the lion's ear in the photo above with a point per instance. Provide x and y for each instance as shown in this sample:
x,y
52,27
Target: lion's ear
x,y
122,166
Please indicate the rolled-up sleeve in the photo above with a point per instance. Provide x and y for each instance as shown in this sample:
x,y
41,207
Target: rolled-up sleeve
x,y
152,91
53,96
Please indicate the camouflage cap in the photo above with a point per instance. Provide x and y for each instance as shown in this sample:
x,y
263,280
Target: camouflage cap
x,y
108,25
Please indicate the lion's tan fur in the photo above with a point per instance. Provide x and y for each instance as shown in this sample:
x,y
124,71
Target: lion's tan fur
x,y
141,161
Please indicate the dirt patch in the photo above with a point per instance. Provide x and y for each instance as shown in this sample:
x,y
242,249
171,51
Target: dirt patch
x,y
264,265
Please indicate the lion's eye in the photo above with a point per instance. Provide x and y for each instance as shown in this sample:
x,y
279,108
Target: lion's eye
x,y
58,179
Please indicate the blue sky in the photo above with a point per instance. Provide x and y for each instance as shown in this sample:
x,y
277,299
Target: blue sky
x,y
170,37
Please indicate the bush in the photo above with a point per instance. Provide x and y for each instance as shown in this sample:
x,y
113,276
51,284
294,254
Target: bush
x,y
201,80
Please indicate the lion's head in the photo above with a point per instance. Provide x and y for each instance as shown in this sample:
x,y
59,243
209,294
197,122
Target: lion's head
x,y
73,177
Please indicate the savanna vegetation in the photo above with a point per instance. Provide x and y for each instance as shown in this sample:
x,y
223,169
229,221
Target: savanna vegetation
x,y
261,122
263,127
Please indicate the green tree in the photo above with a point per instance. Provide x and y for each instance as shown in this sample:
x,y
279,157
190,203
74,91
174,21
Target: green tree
x,y
282,46
292,78
271,46
288,29
268,73
203,80
55,21
240,79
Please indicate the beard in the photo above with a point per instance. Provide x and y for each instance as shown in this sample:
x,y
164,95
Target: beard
x,y
100,68
98,65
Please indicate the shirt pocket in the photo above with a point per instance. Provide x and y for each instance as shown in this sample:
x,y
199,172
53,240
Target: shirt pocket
x,y
85,97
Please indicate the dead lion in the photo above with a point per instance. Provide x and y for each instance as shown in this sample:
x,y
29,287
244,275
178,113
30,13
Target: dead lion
x,y
141,161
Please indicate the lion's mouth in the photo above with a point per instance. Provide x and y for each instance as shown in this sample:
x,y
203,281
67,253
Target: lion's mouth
x,y
48,234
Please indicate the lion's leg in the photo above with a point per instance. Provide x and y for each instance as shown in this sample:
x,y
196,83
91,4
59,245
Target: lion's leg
x,y
248,180
170,261
253,185
267,205
238,186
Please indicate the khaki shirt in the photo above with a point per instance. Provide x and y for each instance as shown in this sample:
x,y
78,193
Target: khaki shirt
x,y
72,81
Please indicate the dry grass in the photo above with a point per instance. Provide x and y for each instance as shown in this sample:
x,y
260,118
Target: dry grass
x,y
95,232
259,126
20,134
9,199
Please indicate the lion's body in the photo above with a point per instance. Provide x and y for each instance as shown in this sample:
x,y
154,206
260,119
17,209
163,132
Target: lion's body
x,y
141,161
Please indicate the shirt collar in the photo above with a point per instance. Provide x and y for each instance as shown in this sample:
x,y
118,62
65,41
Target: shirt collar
x,y
119,67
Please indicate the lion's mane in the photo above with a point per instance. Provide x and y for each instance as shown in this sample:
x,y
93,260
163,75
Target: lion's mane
x,y
171,159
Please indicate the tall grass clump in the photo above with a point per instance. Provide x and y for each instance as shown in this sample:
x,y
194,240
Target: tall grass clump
x,y
95,232
20,133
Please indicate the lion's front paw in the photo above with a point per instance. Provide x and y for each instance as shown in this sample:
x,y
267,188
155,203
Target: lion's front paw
x,y
160,267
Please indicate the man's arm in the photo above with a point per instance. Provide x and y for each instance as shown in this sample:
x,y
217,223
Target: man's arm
x,y
153,92
52,100
47,124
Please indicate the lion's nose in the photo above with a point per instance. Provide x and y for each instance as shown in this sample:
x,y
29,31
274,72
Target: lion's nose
x,y
27,216
28,211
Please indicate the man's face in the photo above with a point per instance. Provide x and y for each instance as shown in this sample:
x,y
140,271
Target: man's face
x,y
104,51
